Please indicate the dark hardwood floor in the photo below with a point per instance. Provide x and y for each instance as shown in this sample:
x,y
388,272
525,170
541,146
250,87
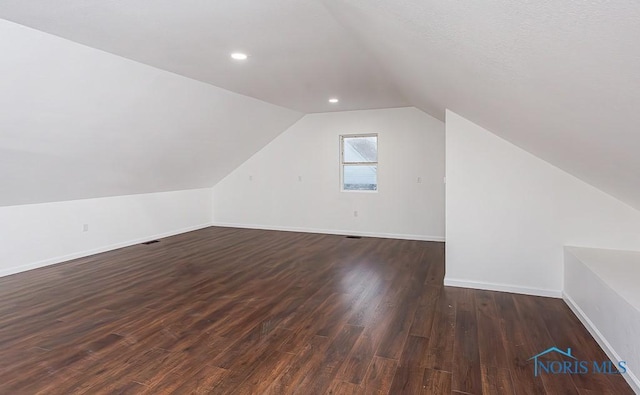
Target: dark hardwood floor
x,y
261,312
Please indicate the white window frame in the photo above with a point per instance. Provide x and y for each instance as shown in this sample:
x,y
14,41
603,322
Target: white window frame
x,y
343,163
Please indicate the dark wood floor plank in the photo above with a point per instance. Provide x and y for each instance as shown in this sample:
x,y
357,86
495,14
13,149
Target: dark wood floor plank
x,y
423,318
439,382
324,370
539,339
243,311
338,387
466,375
377,324
408,380
203,381
435,271
313,323
517,346
251,352
380,375
285,382
415,353
492,349
355,367
497,381
441,339
270,366
397,331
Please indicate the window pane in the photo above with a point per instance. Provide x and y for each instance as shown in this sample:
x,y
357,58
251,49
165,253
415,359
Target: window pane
x,y
360,178
361,149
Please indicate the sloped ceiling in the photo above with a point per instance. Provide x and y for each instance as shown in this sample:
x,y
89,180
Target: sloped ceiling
x,y
80,123
300,56
556,77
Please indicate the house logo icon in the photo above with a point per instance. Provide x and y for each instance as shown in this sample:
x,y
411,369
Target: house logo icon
x,y
547,351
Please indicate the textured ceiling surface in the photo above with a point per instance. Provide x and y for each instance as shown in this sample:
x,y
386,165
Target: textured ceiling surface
x,y
556,77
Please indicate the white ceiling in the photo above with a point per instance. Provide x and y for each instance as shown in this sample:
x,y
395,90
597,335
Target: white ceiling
x,y
556,77
559,78
300,56
80,123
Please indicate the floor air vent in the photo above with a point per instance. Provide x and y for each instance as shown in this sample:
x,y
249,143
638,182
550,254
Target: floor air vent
x,y
354,237
151,242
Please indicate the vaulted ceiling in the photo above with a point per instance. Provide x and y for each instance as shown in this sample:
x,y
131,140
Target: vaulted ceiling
x,y
300,55
556,77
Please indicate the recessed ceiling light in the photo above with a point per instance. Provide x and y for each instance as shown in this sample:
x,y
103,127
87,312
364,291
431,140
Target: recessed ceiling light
x,y
333,100
239,56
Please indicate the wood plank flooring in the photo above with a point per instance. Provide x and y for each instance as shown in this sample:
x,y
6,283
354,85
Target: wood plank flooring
x,y
231,311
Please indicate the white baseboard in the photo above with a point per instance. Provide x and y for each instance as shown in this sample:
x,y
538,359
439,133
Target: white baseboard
x,y
82,254
551,293
630,377
333,232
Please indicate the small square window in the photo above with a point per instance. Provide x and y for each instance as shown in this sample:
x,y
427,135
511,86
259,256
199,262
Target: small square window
x,y
359,162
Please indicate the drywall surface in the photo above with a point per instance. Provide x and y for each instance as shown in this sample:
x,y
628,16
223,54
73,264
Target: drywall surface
x,y
299,55
601,287
294,182
78,123
620,269
41,234
509,214
544,75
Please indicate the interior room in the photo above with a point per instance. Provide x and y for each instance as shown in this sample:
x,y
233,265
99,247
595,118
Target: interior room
x,y
319,197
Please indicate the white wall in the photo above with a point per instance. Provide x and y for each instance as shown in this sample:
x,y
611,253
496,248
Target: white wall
x,y
41,234
509,214
78,123
265,192
601,287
